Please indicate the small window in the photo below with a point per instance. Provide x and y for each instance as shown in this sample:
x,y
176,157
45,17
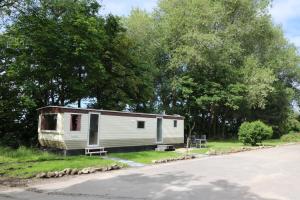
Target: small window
x,y
49,122
175,123
141,124
75,122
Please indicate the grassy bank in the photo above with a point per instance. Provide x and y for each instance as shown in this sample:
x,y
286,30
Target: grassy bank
x,y
146,157
226,146
23,154
217,147
26,163
220,147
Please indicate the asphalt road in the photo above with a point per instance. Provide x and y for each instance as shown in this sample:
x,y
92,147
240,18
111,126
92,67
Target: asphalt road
x,y
268,174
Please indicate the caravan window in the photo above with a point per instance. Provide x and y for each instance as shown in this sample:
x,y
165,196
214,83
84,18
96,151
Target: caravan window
x,y
175,123
49,122
141,124
75,122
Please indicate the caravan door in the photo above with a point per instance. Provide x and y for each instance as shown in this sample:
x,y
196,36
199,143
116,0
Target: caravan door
x,y
93,137
159,138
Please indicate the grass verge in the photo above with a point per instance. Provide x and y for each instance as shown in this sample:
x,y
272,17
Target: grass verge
x,y
23,154
26,163
226,146
216,147
146,157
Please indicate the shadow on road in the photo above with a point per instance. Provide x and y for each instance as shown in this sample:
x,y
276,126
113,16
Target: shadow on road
x,y
139,187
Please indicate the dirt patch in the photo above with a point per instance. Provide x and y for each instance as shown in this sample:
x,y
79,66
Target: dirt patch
x,y
14,182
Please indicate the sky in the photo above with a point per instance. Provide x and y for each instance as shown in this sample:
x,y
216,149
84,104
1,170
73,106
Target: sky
x,y
285,13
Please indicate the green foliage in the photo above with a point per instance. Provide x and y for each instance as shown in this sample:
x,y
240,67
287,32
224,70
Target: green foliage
x,y
219,64
292,124
219,69
58,53
259,83
291,137
254,132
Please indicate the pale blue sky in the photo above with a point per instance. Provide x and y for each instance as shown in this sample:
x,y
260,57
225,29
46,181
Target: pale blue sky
x,y
284,12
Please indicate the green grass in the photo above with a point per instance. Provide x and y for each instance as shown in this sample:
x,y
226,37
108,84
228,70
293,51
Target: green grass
x,y
220,146
226,146
26,163
274,142
146,157
23,154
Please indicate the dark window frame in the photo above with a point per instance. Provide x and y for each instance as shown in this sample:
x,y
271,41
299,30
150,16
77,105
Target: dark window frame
x,y
47,125
75,123
175,123
141,124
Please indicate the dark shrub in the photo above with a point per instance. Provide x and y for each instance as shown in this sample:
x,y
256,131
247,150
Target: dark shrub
x,y
293,125
291,137
254,132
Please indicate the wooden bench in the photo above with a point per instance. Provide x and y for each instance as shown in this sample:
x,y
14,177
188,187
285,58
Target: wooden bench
x,y
95,150
201,143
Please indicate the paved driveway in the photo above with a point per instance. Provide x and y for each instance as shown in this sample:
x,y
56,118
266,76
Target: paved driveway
x,y
269,174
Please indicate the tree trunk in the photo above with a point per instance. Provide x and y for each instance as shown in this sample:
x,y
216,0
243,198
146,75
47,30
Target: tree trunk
x,y
191,128
52,93
223,128
215,126
62,94
212,118
79,103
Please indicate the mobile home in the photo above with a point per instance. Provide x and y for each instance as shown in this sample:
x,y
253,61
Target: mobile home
x,y
76,129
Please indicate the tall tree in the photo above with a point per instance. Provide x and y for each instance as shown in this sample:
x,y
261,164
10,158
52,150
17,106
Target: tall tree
x,y
221,69
59,52
125,82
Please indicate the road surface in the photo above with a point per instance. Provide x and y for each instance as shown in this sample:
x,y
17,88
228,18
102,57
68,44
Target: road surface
x,y
267,174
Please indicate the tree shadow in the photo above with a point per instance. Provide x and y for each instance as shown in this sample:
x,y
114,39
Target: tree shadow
x,y
158,186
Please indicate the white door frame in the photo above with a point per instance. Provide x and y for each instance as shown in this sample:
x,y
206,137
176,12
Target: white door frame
x,y
162,138
89,127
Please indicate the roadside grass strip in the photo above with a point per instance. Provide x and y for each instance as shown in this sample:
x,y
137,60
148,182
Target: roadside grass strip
x,y
228,146
26,163
146,157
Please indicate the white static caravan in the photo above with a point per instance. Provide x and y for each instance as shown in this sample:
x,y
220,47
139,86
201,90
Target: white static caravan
x,y
76,129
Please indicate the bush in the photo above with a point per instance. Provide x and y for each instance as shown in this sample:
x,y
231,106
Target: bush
x,y
293,125
291,137
254,132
